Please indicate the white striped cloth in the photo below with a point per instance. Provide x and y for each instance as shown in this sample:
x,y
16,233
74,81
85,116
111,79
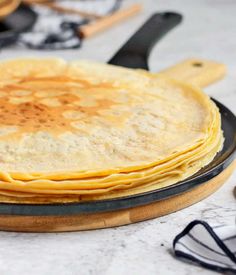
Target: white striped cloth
x,y
210,247
55,31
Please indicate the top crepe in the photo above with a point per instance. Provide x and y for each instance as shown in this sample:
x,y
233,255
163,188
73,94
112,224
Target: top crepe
x,y
63,120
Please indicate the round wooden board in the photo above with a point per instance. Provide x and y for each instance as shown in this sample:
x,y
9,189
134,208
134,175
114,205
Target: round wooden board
x,y
114,218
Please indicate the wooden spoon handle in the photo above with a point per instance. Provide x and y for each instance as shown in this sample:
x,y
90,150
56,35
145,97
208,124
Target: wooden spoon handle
x,y
109,20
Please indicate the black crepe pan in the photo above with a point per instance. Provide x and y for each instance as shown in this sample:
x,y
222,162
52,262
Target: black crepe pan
x,y
134,54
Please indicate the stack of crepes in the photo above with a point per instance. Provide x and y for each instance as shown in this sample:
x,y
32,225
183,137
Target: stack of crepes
x,y
88,131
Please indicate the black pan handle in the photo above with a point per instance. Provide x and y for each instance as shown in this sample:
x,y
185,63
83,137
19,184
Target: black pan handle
x,y
135,52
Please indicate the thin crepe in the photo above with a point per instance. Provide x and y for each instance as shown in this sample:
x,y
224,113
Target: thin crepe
x,y
83,131
71,121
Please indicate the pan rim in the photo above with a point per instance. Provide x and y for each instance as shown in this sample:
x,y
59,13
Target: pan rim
x,y
113,204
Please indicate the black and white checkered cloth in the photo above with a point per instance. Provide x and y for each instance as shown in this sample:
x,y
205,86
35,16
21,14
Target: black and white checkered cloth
x,y
54,30
210,247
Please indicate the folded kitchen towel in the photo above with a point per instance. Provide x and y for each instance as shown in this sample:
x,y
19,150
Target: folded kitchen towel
x,y
54,30
210,247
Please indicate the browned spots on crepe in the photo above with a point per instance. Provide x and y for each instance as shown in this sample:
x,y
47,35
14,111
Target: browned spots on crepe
x,y
33,113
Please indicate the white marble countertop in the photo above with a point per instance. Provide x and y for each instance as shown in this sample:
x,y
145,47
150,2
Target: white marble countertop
x,y
208,31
